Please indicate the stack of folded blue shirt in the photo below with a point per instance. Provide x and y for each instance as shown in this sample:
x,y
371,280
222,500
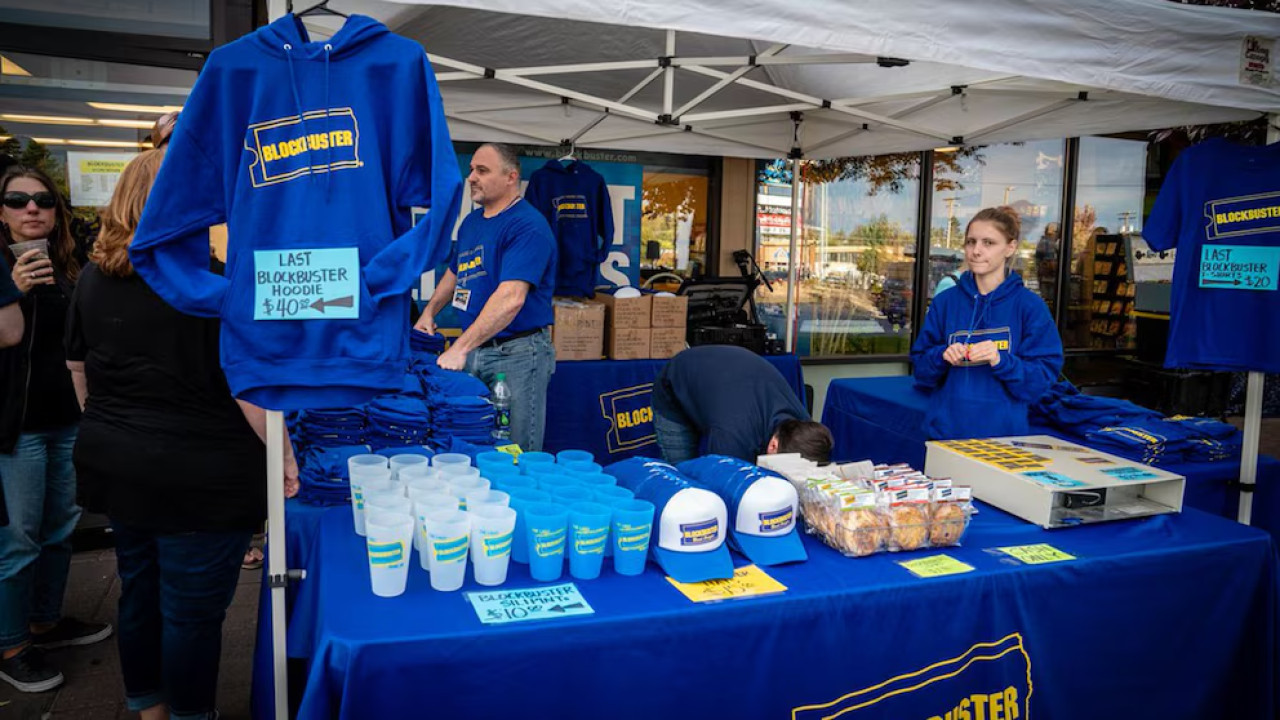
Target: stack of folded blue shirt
x,y
329,428
395,421
427,343
322,474
464,417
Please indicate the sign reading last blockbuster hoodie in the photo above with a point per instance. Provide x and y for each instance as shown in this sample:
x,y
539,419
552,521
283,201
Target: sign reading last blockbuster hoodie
x,y
313,153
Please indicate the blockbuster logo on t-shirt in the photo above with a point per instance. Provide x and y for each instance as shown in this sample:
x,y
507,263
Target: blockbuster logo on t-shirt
x,y
287,148
1246,215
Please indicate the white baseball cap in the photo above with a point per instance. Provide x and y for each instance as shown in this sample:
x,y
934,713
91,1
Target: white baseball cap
x,y
765,528
691,534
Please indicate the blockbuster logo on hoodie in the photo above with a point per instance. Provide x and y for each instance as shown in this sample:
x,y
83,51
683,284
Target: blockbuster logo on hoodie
x,y
291,147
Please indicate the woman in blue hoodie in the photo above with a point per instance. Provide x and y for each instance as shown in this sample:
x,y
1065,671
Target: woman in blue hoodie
x,y
990,348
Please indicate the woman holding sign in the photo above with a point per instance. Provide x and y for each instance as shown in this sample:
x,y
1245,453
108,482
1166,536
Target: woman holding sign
x,y
174,461
990,347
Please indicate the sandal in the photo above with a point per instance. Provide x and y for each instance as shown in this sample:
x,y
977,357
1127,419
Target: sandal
x,y
252,559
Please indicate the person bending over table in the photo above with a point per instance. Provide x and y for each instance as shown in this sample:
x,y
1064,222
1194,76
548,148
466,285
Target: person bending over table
x,y
989,348
500,281
737,403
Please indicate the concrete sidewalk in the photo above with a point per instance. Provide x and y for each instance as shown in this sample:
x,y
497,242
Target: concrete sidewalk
x,y
93,689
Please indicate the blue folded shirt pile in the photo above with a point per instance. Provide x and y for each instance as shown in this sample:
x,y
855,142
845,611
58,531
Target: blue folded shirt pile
x,y
426,343
398,420
329,428
322,472
464,417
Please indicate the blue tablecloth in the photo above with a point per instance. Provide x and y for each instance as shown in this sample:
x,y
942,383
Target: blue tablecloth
x,y
882,419
605,406
1166,617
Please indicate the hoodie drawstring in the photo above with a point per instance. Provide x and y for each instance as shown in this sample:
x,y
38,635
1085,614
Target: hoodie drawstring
x,y
297,98
328,151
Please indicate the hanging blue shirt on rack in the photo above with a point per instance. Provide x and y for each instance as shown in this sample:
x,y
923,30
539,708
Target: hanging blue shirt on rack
x,y
575,201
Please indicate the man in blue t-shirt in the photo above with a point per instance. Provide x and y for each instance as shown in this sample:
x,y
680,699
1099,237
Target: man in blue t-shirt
x,y
11,322
500,281
733,402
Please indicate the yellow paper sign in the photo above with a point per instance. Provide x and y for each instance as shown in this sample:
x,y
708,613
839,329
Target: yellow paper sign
x,y
936,566
749,581
1037,554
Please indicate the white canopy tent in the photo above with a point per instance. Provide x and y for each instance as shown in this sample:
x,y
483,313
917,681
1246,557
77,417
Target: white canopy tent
x,y
821,79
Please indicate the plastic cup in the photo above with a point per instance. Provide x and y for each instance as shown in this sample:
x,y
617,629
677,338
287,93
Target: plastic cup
x,y
420,470
632,526
491,529
447,535
392,501
607,494
418,485
365,460
514,482
530,460
582,466
546,525
449,472
361,485
402,461
444,460
565,456
571,494
486,496
424,503
388,543
495,457
462,486
519,498
588,537
596,480
550,482
493,470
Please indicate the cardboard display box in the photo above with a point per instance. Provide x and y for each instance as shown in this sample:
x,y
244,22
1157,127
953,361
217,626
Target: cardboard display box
x,y
627,343
579,331
670,312
627,313
666,342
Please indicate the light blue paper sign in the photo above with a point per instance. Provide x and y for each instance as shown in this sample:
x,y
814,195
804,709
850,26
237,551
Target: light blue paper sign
x,y
1130,473
539,603
1239,267
1052,479
321,284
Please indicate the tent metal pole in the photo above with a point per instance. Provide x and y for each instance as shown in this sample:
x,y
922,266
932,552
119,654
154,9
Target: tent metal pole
x,y
825,59
1253,404
277,573
900,114
1003,124
725,82
793,267
582,68
669,77
745,112
630,94
504,128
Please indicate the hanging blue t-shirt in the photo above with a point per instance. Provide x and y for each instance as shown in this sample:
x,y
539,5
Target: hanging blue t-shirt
x,y
515,244
575,201
1220,206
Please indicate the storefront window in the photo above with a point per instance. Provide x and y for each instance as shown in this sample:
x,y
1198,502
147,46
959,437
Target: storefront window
x,y
1109,199
673,226
856,254
1026,176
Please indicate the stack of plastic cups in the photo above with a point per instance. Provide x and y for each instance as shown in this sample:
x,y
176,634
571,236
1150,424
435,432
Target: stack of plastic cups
x,y
518,499
588,537
565,457
425,503
388,541
405,460
392,501
416,486
461,486
494,471
596,480
513,482
491,528
582,467
568,494
630,533
362,469
447,538
610,495
535,460
452,472
551,482
546,528
487,460
444,460
486,496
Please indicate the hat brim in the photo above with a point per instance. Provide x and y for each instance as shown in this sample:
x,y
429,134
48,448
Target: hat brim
x,y
770,550
691,567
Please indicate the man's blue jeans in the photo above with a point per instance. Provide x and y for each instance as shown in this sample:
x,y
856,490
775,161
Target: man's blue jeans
x,y
677,437
35,548
528,363
174,594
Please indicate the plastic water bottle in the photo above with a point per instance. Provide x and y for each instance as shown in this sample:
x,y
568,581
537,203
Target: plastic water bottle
x,y
500,396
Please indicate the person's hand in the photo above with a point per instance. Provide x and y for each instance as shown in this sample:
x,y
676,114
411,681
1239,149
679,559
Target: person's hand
x,y
956,353
985,352
426,323
291,482
29,271
452,359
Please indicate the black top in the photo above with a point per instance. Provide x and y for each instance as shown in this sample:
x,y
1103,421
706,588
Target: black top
x,y
733,397
162,442
51,397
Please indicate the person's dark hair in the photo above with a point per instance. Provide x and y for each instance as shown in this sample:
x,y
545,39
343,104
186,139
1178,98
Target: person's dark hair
x,y
62,247
811,439
1005,219
510,160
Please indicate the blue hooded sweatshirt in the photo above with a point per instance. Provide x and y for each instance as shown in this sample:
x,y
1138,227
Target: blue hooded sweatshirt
x,y
973,401
300,146
575,201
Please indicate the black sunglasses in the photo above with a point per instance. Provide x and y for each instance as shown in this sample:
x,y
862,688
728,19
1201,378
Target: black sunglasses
x,y
18,200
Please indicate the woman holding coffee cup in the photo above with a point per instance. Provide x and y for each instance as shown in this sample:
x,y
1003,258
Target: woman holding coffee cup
x,y
39,415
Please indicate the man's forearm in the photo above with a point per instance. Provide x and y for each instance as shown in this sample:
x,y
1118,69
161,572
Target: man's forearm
x,y
442,295
502,308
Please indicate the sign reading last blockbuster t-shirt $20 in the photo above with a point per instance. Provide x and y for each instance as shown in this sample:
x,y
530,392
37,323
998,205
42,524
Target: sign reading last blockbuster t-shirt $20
x,y
301,284
1239,267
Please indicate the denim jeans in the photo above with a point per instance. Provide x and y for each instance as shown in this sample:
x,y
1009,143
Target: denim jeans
x,y
174,594
528,363
35,548
677,437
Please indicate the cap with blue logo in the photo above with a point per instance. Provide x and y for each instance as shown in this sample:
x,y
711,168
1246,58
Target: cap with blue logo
x,y
764,506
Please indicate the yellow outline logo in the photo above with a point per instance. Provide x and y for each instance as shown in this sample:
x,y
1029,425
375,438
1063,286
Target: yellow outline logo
x,y
339,137
610,411
944,670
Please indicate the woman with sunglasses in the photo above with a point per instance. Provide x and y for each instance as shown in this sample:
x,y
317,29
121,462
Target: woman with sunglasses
x,y
989,347
38,419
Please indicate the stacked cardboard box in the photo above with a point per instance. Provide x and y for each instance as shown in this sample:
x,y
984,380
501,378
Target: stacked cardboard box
x,y
627,322
670,319
579,330
649,326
